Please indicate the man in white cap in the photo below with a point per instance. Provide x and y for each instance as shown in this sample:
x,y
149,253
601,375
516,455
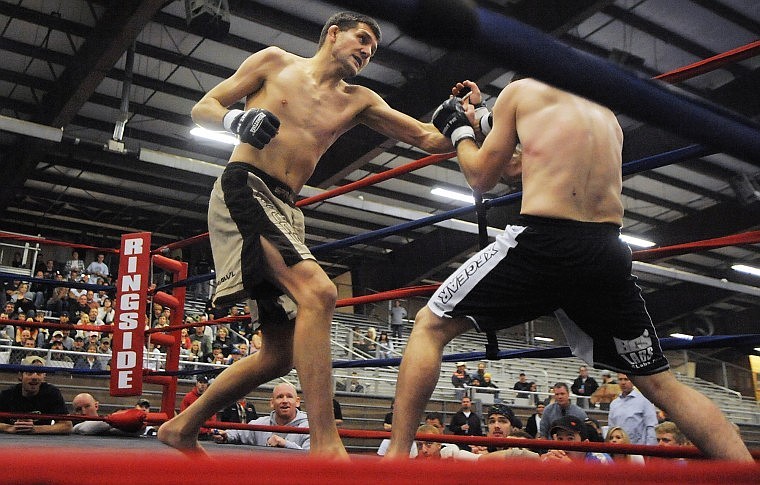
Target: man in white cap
x,y
459,379
33,395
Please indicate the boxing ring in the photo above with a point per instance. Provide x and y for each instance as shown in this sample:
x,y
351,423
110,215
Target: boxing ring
x,y
125,460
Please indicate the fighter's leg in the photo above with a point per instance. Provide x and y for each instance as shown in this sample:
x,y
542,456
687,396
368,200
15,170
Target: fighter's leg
x,y
418,375
309,286
273,360
696,416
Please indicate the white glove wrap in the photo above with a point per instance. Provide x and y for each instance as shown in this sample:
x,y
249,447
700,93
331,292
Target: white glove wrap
x,y
484,116
461,133
229,118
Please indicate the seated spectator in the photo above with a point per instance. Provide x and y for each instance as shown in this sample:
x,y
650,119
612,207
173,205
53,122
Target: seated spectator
x,y
75,293
668,434
337,413
201,384
570,428
241,411
33,395
460,378
223,341
58,303
26,347
105,349
86,405
384,346
255,342
216,357
89,361
22,300
355,385
79,307
78,346
59,337
57,356
199,334
106,311
285,412
235,355
617,436
487,382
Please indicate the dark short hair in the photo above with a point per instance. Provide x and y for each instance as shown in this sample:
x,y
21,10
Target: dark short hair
x,y
348,20
561,384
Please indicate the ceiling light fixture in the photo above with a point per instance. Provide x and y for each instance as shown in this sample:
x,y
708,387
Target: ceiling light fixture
x,y
28,128
450,194
682,336
743,268
220,136
637,241
544,339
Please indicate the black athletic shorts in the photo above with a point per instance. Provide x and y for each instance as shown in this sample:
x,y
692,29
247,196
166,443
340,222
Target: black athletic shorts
x,y
580,271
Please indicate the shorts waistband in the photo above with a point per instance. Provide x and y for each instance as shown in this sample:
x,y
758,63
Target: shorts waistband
x,y
570,226
278,188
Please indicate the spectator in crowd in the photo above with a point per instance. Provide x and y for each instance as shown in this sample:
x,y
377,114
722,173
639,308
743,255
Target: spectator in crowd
x,y
607,392
79,307
388,419
195,354
634,413
466,422
240,411
89,361
78,346
76,277
106,311
435,419
559,408
617,436
285,412
384,346
487,382
459,379
23,302
59,303
480,373
57,356
337,413
7,332
86,405
98,267
398,314
583,386
73,264
216,357
668,434
255,341
50,269
104,348
522,384
235,355
201,384
33,395
534,421
40,292
94,319
222,339
355,384
59,337
570,428
198,334
499,421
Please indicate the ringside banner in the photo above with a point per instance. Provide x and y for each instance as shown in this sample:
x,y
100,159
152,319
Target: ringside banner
x,y
130,306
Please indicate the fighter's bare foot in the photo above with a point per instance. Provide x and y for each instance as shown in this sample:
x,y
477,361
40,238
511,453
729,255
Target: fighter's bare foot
x,y
171,434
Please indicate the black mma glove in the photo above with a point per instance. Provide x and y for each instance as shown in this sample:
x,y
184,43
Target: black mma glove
x,y
255,126
451,120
